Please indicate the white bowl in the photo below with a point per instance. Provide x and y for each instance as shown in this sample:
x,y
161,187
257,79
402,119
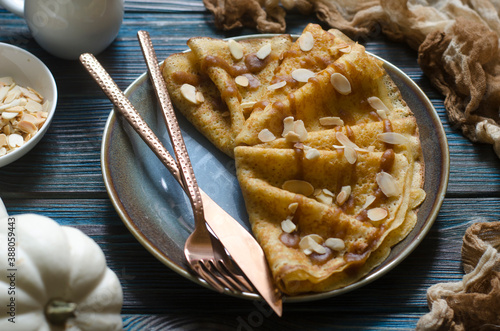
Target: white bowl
x,y
27,71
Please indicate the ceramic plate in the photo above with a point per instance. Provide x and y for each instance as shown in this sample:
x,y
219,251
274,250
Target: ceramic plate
x,y
157,212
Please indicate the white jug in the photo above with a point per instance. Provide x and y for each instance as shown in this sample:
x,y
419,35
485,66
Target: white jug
x,y
68,28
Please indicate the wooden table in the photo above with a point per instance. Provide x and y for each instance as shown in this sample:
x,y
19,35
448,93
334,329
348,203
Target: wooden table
x,y
61,178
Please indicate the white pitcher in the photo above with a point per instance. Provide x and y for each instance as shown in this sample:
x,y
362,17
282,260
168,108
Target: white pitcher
x,y
68,28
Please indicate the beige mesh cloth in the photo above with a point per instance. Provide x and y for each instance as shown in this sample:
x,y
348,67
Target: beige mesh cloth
x,y
457,43
474,302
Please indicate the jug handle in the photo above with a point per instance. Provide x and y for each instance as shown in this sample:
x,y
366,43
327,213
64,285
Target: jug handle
x,y
14,6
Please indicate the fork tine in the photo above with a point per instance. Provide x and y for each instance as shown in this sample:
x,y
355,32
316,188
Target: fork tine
x,y
208,276
238,282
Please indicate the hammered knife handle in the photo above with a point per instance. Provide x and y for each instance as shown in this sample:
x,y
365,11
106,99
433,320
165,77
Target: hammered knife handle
x,y
160,87
128,111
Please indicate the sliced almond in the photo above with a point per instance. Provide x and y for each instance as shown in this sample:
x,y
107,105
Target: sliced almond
x,y
311,243
387,184
377,104
248,104
343,195
3,140
324,198
288,123
293,207
13,94
300,130
277,85
299,187
302,75
335,244
377,214
340,83
3,151
236,49
288,226
264,51
15,140
346,49
312,154
266,136
9,115
382,114
188,91
3,92
350,154
368,202
292,137
392,138
331,120
241,81
27,127
306,41
199,97
344,140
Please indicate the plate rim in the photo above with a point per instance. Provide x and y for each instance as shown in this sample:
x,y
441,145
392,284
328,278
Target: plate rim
x,y
162,257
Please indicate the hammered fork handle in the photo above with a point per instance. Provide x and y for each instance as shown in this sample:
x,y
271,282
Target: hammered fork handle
x,y
160,87
127,110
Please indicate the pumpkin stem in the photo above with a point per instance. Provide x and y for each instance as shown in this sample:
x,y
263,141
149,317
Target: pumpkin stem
x,y
59,311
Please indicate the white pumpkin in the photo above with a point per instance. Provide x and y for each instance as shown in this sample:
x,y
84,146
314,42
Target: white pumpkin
x,y
59,279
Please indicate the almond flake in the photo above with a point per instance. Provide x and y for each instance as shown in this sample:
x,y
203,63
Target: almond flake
x,y
27,127
344,140
299,187
264,51
188,91
346,49
377,214
3,92
236,49
331,120
350,155
387,184
241,81
311,243
293,207
3,140
199,97
312,154
288,226
392,138
324,198
15,140
382,114
288,123
377,104
368,202
9,115
292,137
300,130
3,151
340,83
302,75
306,41
266,136
343,195
328,192
277,85
335,244
248,104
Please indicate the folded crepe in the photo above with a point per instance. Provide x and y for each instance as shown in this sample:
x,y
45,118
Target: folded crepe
x,y
327,152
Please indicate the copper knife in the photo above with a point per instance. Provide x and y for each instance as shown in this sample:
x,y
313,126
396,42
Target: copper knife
x,y
233,236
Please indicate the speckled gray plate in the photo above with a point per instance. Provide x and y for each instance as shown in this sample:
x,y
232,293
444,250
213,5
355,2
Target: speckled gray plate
x,y
157,212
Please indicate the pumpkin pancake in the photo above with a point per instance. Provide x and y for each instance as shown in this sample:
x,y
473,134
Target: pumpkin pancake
x,y
208,116
360,223
327,152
